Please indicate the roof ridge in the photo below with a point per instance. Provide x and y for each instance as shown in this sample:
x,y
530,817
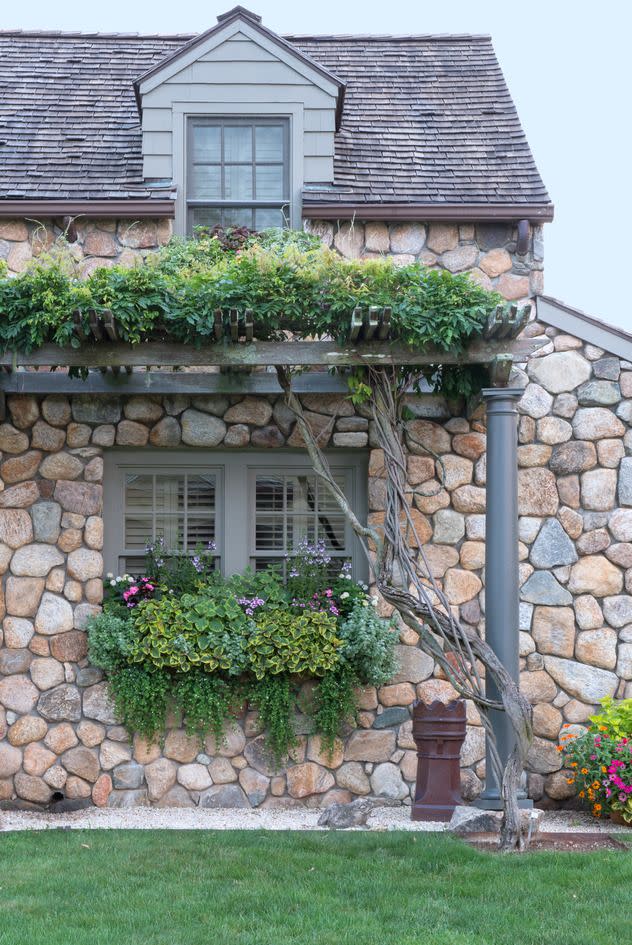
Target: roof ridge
x,y
289,37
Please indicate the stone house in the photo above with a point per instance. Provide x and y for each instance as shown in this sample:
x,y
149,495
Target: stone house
x,y
402,146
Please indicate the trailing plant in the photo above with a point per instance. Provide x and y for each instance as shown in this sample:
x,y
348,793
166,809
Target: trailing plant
x,y
111,640
289,280
205,701
615,717
274,699
367,648
140,698
335,704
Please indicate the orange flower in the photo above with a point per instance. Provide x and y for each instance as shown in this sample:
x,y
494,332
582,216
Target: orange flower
x,y
560,748
581,794
570,780
595,785
584,770
603,728
596,807
573,764
604,769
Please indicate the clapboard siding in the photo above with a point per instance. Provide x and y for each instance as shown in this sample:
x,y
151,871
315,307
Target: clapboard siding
x,y
239,71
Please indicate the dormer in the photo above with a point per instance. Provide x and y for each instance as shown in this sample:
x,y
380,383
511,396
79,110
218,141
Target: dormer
x,y
240,120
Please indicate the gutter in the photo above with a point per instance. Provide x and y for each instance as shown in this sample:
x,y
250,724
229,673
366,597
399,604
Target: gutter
x,y
453,213
119,209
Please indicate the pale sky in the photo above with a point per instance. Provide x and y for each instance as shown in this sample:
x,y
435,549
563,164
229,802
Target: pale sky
x,y
567,67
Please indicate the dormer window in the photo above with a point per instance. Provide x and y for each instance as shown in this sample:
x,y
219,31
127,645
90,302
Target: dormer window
x,y
238,172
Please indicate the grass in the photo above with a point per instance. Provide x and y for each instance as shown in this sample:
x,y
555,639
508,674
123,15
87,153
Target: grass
x,y
257,888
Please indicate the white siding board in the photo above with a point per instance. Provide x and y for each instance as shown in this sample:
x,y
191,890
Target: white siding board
x,y
238,51
157,165
320,119
309,96
158,142
319,144
157,119
239,73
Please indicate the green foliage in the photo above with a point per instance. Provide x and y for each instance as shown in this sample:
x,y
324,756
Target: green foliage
x,y
274,700
207,630
205,702
368,646
140,697
335,704
283,642
289,280
615,718
111,640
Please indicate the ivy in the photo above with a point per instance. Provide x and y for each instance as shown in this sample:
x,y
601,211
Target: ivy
x,y
140,699
335,704
289,280
274,700
206,702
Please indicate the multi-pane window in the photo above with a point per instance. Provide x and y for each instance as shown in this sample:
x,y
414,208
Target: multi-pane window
x,y
238,172
296,507
255,507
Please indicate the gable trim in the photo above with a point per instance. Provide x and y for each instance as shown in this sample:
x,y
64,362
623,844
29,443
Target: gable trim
x,y
452,213
239,23
591,330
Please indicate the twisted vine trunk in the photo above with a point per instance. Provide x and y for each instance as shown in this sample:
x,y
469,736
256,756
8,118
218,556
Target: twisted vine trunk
x,y
405,581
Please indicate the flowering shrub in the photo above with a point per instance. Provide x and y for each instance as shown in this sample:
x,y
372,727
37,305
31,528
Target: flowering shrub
x,y
211,643
601,760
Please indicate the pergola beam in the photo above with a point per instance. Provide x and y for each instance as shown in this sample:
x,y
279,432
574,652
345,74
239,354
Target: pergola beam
x,y
116,354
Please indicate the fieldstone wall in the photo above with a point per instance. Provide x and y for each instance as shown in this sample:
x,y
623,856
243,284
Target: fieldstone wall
x,y
92,243
57,729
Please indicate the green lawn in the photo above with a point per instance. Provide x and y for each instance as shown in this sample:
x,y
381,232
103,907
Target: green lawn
x,y
257,888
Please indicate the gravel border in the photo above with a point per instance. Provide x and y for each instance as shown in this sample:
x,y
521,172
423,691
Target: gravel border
x,y
176,818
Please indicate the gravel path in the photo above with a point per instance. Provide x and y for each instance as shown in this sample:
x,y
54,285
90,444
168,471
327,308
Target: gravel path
x,y
151,818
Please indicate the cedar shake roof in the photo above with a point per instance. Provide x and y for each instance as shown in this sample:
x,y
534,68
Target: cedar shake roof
x,y
426,120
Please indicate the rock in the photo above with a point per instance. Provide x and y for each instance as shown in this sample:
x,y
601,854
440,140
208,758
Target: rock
x,y
439,558
90,733
21,467
89,409
14,661
47,438
222,771
587,683
104,435
61,466
102,790
46,521
82,762
77,787
308,778
128,776
31,788
610,452
351,776
413,666
10,760
180,747
390,717
596,423
588,612
625,481
233,741
543,756
97,704
449,527
427,434
237,435
469,499
597,648
542,588
400,694
597,393
83,612
460,259
123,800
61,703
460,586
12,440
56,410
35,560
56,777
618,610
46,673
369,745
537,492
130,433
69,647
557,786
595,575
620,525
165,433
193,777
473,748
537,687
620,554
547,720
386,781
93,535
255,785
535,402
553,430
407,238
81,498
317,752
593,542
559,372
201,429
15,527
18,694
348,440
552,548
160,776
84,564
54,615
61,737
471,786
114,753
144,751
495,262
320,425
224,795
254,411
28,728
624,662
554,630
258,756
599,489
534,454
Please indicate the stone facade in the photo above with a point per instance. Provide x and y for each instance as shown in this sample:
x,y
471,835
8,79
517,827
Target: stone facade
x,y
58,732
92,243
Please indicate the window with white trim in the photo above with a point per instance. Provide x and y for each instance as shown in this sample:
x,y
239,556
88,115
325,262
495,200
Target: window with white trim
x,y
238,172
253,507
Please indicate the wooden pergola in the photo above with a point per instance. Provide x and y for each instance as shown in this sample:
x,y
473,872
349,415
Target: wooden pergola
x,y
239,361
